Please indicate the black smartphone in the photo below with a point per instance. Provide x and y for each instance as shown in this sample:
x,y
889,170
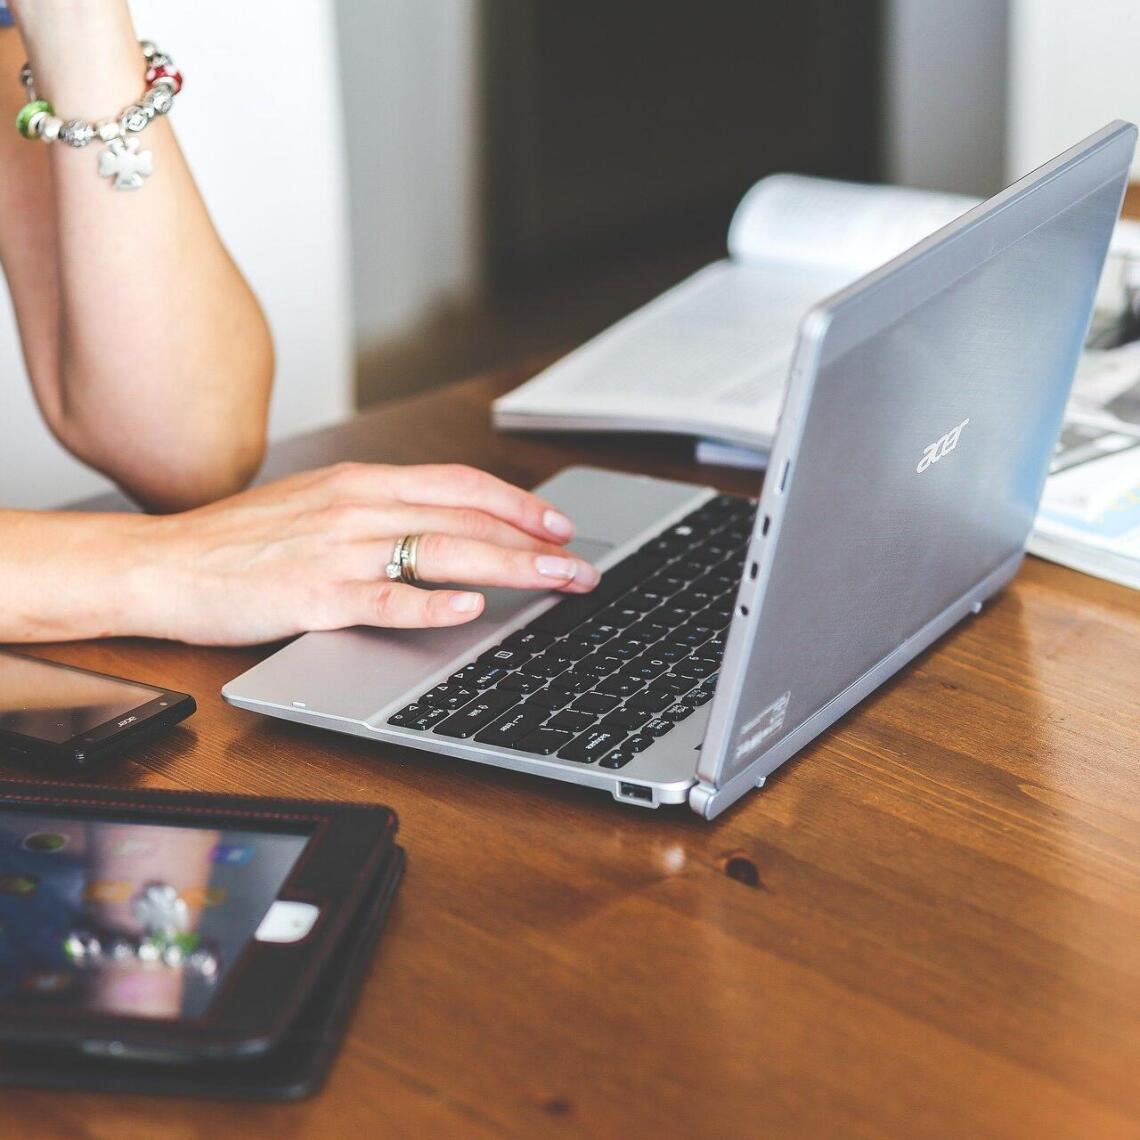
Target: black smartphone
x,y
71,719
174,928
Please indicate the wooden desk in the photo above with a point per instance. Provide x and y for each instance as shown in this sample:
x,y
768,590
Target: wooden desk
x,y
928,925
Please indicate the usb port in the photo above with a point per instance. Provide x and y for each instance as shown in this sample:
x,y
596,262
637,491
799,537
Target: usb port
x,y
636,792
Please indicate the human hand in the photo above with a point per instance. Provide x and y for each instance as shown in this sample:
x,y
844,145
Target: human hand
x,y
309,553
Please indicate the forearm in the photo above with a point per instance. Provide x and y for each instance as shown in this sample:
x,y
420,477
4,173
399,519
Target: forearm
x,y
66,576
158,336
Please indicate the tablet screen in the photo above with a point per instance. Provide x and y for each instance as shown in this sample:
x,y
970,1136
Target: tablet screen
x,y
133,919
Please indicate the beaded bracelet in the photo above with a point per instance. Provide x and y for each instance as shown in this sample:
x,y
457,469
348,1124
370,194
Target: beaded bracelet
x,y
121,160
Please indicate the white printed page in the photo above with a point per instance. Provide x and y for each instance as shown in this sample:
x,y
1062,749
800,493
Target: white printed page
x,y
709,357
794,220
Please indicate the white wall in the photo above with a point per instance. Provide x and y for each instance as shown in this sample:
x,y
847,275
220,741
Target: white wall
x,y
1073,67
946,94
266,145
409,74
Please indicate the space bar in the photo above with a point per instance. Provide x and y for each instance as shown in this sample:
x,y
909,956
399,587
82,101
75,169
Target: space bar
x,y
615,582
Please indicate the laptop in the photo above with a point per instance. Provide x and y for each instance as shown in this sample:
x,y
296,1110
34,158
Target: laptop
x,y
922,408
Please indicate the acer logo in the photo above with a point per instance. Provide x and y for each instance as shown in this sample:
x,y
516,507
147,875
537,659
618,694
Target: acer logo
x,y
940,447
127,720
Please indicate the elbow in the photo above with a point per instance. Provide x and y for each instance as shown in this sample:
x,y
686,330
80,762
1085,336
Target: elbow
x,y
205,476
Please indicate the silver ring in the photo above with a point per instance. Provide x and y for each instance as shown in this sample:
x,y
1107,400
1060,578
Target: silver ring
x,y
394,570
408,554
402,565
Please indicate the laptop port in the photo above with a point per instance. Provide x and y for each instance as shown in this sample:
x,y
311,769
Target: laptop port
x,y
636,792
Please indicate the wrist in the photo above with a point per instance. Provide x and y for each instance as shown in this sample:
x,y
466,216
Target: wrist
x,y
84,55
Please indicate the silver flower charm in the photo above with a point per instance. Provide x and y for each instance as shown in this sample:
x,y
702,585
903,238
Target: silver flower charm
x,y
122,160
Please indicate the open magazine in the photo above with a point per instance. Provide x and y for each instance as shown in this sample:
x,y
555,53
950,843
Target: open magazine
x,y
710,357
1090,513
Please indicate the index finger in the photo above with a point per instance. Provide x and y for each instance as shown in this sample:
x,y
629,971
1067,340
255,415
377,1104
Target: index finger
x,y
456,485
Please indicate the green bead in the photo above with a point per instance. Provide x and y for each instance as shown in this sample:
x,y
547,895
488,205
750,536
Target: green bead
x,y
28,112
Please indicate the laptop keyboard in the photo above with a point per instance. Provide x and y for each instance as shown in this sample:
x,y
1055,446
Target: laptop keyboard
x,y
601,676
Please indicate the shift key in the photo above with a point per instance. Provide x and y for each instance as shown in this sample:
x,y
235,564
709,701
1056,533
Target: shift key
x,y
476,715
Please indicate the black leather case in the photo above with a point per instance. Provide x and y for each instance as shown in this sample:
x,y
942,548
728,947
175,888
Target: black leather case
x,y
295,1068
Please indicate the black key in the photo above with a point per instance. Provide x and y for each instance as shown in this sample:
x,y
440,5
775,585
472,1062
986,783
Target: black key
x,y
666,583
544,741
691,636
503,656
670,683
647,631
600,665
448,696
590,745
718,616
667,651
481,676
530,640
696,667
618,758
643,599
690,568
663,548
418,716
578,681
652,700
597,632
639,742
553,697
658,726
615,581
674,615
620,615
521,721
701,696
569,721
626,650
521,683
694,599
678,712
647,667
714,647
545,665
619,686
625,719
477,715
575,649
596,703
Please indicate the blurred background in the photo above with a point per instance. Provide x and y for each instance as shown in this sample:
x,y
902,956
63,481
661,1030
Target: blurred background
x,y
423,189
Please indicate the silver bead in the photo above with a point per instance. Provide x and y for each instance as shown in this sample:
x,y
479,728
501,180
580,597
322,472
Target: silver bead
x,y
135,118
109,131
76,132
161,59
149,49
167,83
160,98
26,75
49,132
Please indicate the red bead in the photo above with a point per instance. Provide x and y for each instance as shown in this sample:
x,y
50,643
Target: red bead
x,y
154,74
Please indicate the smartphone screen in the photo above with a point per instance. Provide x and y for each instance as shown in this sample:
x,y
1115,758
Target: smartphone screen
x,y
54,703
126,918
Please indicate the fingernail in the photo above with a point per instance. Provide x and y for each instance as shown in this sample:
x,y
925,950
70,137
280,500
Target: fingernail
x,y
587,576
464,603
558,524
555,567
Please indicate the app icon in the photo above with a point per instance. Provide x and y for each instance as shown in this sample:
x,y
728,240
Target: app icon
x,y
107,891
45,842
47,983
22,885
205,896
232,854
135,848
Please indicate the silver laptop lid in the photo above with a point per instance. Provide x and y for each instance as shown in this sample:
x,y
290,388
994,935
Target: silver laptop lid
x,y
923,406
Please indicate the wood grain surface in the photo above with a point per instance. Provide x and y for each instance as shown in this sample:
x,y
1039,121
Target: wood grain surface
x,y
927,925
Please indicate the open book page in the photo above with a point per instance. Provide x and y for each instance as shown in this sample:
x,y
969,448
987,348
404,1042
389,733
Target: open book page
x,y
849,227
708,357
